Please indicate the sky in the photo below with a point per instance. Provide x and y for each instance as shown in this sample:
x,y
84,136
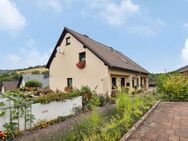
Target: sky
x,y
153,33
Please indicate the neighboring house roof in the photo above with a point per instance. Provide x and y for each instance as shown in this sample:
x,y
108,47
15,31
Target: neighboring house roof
x,y
183,69
10,85
39,77
108,55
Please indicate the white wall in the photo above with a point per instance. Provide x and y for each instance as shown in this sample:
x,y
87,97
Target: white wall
x,y
45,111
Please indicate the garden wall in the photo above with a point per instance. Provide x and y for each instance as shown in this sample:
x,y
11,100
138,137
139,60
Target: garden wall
x,y
44,111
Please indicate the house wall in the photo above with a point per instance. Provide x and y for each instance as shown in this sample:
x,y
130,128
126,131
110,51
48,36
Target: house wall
x,y
63,66
128,78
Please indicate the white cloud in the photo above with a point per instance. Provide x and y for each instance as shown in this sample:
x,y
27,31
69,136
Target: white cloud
x,y
114,13
141,29
10,17
185,25
151,27
30,55
127,14
55,5
184,53
117,14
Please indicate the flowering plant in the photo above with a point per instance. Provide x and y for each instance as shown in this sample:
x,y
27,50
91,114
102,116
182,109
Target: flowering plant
x,y
81,64
6,136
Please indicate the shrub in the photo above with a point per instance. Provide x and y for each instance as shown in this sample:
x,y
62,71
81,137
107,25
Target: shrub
x,y
44,99
33,83
35,72
102,100
174,86
85,90
46,74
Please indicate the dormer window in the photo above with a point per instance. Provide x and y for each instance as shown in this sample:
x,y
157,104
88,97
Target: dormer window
x,y
82,56
68,41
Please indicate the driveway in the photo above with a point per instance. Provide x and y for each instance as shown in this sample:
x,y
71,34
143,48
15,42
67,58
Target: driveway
x,y
168,122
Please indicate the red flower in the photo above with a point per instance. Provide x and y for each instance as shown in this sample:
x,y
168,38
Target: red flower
x,y
81,64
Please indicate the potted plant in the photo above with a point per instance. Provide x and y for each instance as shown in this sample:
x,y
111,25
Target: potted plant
x,y
81,64
68,89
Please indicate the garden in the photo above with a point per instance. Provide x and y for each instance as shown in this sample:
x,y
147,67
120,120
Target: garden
x,y
20,101
125,110
106,126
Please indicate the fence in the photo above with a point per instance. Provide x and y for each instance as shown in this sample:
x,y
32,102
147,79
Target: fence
x,y
40,112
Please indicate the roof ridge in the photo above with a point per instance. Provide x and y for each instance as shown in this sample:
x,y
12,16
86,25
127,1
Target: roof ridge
x,y
89,38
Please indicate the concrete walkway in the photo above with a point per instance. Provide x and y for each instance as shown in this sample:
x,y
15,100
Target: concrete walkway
x,y
168,122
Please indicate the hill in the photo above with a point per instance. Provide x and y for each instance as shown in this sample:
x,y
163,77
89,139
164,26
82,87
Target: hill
x,y
4,71
32,70
35,70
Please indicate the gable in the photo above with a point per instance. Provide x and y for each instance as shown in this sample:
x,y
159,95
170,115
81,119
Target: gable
x,y
108,55
62,41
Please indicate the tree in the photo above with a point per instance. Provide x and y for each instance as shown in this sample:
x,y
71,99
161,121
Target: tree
x,y
174,86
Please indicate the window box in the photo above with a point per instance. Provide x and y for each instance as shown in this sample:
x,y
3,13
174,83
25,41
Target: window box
x,y
68,89
81,64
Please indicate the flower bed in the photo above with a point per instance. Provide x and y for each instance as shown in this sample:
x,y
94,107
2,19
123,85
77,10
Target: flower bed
x,y
110,126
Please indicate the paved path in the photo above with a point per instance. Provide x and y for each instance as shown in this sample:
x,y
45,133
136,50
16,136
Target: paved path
x,y
169,122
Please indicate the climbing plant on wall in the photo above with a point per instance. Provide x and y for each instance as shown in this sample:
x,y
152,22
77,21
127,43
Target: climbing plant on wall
x,y
19,106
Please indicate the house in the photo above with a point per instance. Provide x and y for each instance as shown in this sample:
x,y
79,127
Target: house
x,y
9,85
78,60
183,70
44,79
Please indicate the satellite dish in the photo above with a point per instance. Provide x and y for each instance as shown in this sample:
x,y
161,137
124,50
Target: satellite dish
x,y
60,50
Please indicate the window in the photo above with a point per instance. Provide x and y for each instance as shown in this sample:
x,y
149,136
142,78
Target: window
x,y
113,82
128,84
68,41
69,82
82,56
122,81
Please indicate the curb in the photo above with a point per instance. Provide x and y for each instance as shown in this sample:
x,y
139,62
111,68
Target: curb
x,y
139,123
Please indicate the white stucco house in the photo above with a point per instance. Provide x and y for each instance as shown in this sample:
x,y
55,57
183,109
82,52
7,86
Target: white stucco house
x,y
77,60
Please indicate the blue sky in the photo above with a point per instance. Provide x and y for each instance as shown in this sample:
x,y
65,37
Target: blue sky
x,y
152,33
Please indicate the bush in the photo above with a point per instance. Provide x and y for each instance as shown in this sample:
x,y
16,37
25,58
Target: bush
x,y
46,74
33,83
85,90
174,86
54,97
35,72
